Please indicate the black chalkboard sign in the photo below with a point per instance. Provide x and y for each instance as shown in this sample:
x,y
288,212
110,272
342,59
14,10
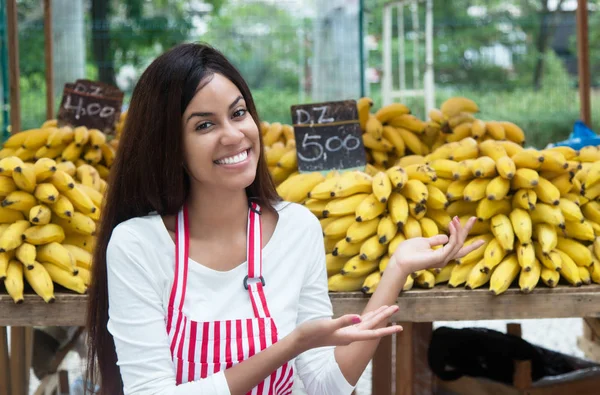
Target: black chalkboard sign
x,y
328,136
92,104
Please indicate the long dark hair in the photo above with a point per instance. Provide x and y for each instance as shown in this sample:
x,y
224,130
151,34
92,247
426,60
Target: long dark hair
x,y
148,175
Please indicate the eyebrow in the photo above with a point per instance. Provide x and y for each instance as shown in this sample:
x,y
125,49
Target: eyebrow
x,y
206,114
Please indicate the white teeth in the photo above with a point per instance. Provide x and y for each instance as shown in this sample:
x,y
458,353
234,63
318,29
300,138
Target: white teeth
x,y
233,159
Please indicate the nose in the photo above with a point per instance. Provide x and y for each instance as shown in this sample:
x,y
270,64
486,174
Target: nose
x,y
232,134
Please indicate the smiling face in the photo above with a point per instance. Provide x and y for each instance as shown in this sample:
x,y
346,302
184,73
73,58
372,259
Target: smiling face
x,y
221,139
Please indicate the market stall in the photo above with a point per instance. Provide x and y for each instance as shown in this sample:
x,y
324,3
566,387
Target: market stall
x,y
397,147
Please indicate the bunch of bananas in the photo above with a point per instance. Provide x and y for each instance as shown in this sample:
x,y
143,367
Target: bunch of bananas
x,y
52,183
538,210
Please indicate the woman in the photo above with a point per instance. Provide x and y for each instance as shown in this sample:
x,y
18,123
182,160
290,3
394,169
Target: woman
x,y
205,282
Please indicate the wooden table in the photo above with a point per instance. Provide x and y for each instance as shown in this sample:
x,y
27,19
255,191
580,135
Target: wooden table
x,y
418,309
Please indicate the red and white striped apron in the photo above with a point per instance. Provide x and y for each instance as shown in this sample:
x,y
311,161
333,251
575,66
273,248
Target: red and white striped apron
x,y
200,349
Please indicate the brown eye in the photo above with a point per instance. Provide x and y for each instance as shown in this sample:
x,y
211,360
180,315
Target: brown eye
x,y
239,113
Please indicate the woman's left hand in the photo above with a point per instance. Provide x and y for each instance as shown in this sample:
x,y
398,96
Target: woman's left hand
x,y
417,254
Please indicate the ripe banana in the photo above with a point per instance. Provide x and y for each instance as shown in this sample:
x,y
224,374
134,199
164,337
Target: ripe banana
x,y
477,277
40,281
502,229
344,249
44,168
382,187
504,274
492,256
24,177
579,230
391,134
333,263
359,231
529,279
429,228
62,181
460,273
43,234
513,132
495,130
497,188
58,255
477,254
476,189
26,254
371,282
80,200
525,255
338,227
341,283
456,190
374,130
7,185
363,106
436,199
343,206
546,236
525,199
544,213
397,176
11,238
65,278
546,192
412,228
569,270
351,183
570,210
371,249
525,178
386,229
528,158
14,280
522,225
440,217
456,105
486,209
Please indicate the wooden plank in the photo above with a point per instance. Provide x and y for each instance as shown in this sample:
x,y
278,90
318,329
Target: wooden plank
x,y
68,310
13,66
17,361
4,362
413,376
583,62
447,304
381,382
48,58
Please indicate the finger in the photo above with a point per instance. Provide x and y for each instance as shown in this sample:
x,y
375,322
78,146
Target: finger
x,y
372,313
467,249
371,334
345,320
380,317
437,240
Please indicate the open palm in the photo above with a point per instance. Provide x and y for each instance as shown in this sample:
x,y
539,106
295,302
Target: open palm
x,y
418,253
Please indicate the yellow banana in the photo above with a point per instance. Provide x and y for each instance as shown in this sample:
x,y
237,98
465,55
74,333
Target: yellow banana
x,y
497,188
24,177
341,283
391,134
529,279
570,210
595,271
460,273
423,173
97,138
411,140
82,258
476,189
60,136
528,158
522,225
351,183
525,178
483,167
467,148
11,238
579,230
13,282
525,255
551,261
477,277
49,153
579,253
8,164
410,160
525,199
36,139
343,206
371,282
506,167
408,122
40,215
569,270
68,167
397,176
65,278
440,217
7,185
40,281
44,168
546,236
408,284
386,229
554,161
544,213
456,105
296,187
345,249
46,193
550,277
428,227
444,168
492,256
382,187
363,106
371,249
412,228
495,130
62,181
504,274
486,209
396,241
359,231
436,199
584,274
338,227
81,136
43,234
333,263
477,254
369,208
72,152
374,130
59,255
456,190
426,279
568,152
513,132
546,192
80,200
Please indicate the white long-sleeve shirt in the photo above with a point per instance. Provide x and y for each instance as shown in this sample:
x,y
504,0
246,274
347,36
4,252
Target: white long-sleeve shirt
x,y
140,265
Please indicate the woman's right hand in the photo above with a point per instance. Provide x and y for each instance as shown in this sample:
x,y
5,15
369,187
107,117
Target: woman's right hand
x,y
345,329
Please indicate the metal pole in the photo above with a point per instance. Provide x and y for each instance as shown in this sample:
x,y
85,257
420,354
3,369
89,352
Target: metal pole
x,y
48,59
583,60
4,69
429,80
361,46
387,55
13,60
401,48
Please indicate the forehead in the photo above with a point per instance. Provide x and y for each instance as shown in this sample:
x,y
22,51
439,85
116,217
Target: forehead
x,y
215,90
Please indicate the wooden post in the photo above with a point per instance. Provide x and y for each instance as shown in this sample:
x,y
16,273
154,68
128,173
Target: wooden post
x,y
413,376
583,61
381,379
4,362
48,57
13,66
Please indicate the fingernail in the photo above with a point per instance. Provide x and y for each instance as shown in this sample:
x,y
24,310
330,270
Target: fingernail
x,y
356,320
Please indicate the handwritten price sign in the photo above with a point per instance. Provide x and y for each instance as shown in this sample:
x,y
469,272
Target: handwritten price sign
x,y
328,136
91,104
